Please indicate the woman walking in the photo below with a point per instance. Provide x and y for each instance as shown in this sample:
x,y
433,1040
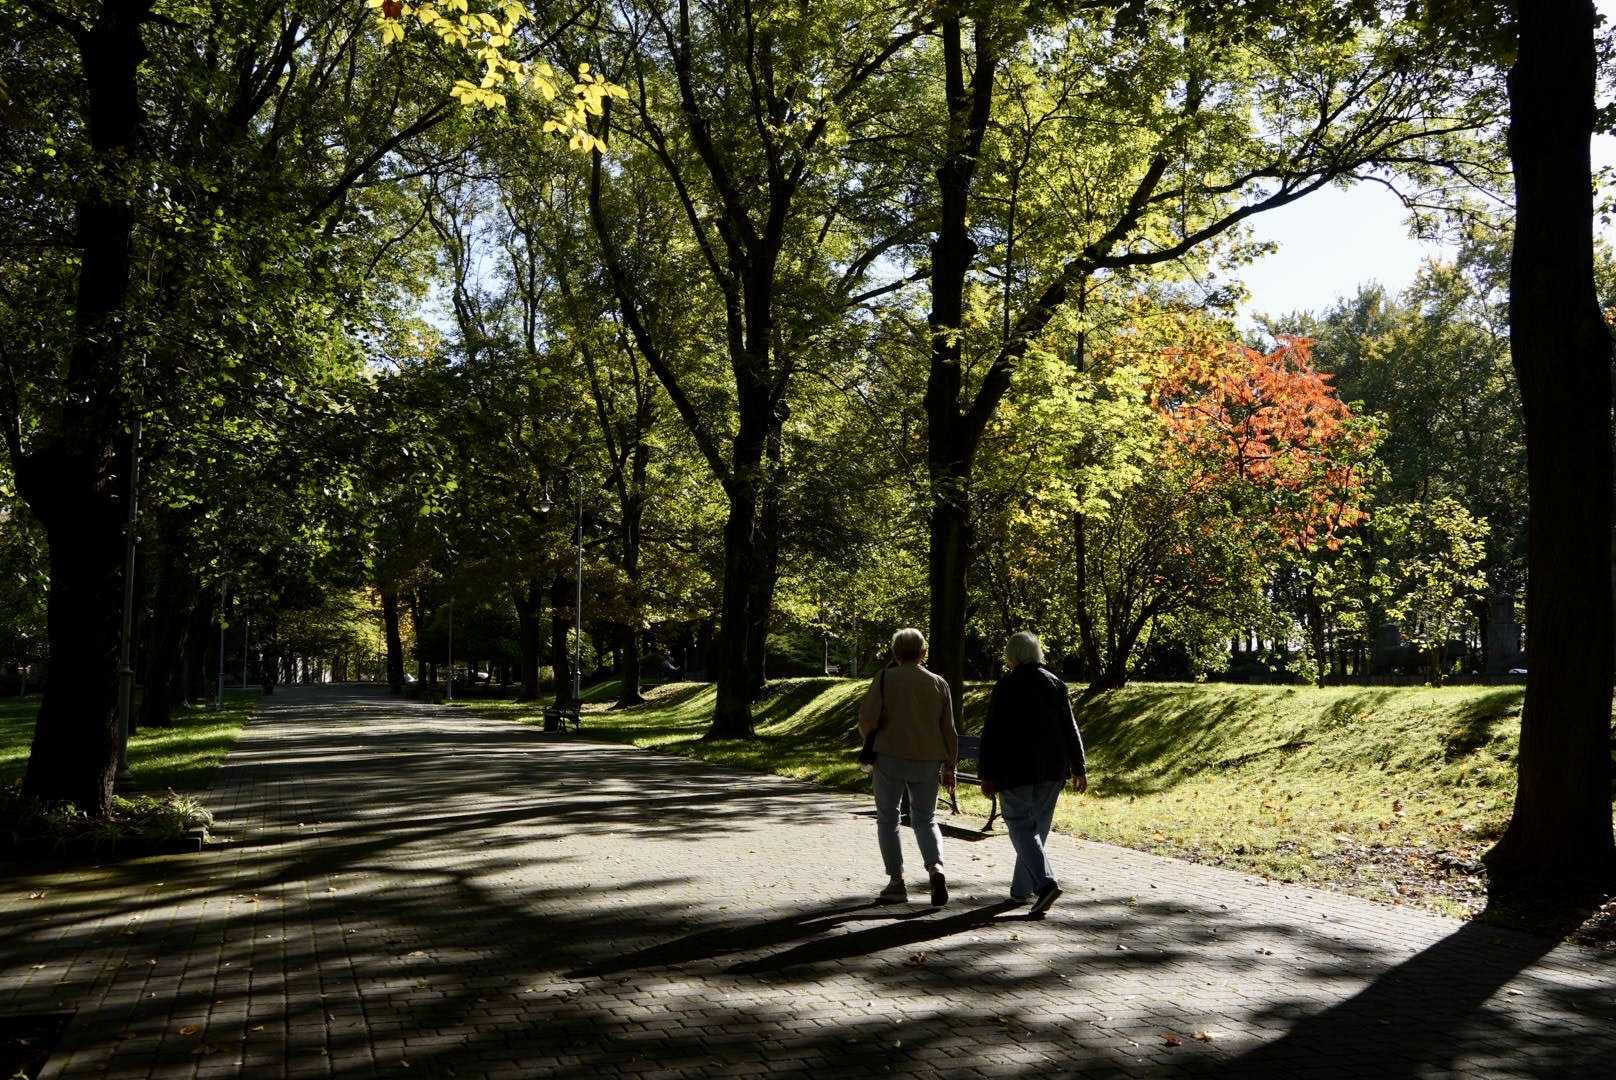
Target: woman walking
x,y
911,713
1030,745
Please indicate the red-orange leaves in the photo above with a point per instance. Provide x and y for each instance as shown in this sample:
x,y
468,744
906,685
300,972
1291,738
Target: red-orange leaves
x,y
1267,431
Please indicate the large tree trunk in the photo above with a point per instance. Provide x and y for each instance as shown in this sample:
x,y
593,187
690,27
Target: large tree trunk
x,y
529,602
951,555
74,477
633,502
200,664
953,437
395,641
162,681
562,599
765,575
1560,837
732,715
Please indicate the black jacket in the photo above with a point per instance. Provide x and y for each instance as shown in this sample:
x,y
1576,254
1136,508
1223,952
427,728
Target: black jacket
x,y
1030,734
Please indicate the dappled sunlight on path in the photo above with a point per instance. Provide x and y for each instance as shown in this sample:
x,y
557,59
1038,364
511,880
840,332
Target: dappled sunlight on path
x,y
410,890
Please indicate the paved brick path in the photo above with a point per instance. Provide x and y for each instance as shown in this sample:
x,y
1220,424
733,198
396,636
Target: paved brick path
x,y
414,892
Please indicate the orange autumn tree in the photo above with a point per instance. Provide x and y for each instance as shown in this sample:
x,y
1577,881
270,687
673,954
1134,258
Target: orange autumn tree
x,y
1266,435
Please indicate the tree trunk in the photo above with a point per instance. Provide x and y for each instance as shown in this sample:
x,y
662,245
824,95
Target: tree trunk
x,y
1315,632
166,639
199,665
953,437
529,602
1560,837
74,477
765,575
628,635
562,588
732,715
395,641
951,554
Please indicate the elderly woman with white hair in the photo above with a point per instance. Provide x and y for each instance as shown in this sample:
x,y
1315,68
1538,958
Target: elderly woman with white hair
x,y
911,713
1030,745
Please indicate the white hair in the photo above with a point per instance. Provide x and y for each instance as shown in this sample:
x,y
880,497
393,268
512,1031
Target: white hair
x,y
1023,648
908,644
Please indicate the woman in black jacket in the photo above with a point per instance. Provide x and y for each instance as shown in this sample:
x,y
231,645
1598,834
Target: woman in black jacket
x,y
1030,745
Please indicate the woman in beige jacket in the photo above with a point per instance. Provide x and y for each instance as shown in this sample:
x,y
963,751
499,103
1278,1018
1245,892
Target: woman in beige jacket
x,y
912,714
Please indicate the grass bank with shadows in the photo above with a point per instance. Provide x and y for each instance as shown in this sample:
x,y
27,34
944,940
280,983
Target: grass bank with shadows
x,y
171,766
1387,792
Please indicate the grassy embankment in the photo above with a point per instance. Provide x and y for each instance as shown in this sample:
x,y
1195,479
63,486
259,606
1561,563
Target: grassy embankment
x,y
171,766
1389,792
183,757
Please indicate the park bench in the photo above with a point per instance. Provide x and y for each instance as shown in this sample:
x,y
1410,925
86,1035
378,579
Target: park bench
x,y
556,717
970,749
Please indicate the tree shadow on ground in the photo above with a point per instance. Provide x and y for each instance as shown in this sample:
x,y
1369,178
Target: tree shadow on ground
x,y
1400,1024
391,937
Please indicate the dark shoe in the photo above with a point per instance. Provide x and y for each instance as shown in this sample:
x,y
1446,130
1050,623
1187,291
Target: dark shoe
x,y
1046,896
895,893
939,889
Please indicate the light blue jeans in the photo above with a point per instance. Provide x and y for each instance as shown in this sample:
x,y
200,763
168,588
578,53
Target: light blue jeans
x,y
1028,812
893,775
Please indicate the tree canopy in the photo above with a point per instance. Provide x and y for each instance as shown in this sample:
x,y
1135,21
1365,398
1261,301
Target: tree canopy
x,y
724,339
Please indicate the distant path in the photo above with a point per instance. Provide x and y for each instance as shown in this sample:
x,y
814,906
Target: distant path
x,y
416,892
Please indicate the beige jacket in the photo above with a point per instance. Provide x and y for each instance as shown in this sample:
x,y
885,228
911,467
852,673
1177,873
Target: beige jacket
x,y
919,715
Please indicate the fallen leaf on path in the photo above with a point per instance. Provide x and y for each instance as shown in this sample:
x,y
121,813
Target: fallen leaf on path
x,y
1204,1036
38,894
189,1029
1174,1040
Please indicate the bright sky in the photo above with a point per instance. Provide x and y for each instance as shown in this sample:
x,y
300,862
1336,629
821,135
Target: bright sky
x,y
1333,241
1330,242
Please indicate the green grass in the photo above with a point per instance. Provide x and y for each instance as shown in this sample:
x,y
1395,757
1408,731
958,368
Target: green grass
x,y
183,757
1365,789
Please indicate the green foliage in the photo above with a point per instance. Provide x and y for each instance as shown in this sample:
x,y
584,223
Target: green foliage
x,y
1433,553
143,817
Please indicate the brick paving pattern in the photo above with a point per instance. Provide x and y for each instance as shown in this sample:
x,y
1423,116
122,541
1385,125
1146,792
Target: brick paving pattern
x,y
410,891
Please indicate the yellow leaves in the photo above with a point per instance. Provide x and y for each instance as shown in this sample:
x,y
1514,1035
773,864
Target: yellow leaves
x,y
468,94
484,34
